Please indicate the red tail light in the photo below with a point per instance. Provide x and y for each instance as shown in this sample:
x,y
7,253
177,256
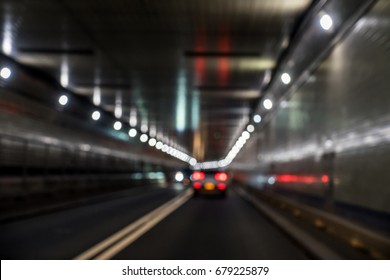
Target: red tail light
x,y
221,186
325,179
196,176
197,185
221,176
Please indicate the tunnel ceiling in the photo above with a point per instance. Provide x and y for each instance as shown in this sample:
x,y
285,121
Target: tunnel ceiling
x,y
189,71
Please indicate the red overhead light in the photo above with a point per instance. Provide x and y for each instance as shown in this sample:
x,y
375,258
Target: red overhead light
x,y
196,176
221,186
197,185
221,176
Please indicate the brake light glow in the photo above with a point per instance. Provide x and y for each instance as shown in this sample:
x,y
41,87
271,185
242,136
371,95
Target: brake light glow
x,y
325,179
197,185
221,186
221,176
198,176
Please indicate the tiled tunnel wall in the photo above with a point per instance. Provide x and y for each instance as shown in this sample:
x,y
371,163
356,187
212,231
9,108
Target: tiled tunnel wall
x,y
336,124
45,152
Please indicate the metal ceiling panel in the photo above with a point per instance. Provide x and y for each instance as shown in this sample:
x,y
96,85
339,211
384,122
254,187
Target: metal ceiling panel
x,y
189,67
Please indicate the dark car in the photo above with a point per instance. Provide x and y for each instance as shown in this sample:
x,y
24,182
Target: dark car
x,y
209,182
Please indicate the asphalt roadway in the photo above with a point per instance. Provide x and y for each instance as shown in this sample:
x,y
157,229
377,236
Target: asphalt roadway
x,y
200,228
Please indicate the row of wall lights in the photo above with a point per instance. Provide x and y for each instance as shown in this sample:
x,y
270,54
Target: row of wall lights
x,y
63,100
326,23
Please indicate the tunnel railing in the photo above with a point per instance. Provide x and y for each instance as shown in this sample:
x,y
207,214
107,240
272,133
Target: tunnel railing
x,y
370,242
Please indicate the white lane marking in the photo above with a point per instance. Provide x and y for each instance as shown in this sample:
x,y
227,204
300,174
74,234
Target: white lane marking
x,y
125,242
134,230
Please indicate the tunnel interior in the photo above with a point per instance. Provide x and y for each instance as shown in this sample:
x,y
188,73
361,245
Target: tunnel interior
x,y
109,100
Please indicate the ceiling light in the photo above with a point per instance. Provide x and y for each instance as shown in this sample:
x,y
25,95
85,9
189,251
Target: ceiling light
x,y
241,140
159,145
192,161
246,135
239,144
286,79
117,125
328,143
144,138
96,115
63,100
326,22
250,128
152,142
132,132
5,73
257,118
267,104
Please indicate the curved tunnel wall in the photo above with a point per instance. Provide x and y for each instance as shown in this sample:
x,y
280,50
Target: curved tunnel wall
x,y
25,122
41,159
337,124
45,149
30,111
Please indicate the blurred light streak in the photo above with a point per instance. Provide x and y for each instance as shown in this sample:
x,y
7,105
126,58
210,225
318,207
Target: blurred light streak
x,y
133,117
96,96
181,104
200,62
64,79
223,71
195,110
223,63
362,137
7,35
290,178
118,105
